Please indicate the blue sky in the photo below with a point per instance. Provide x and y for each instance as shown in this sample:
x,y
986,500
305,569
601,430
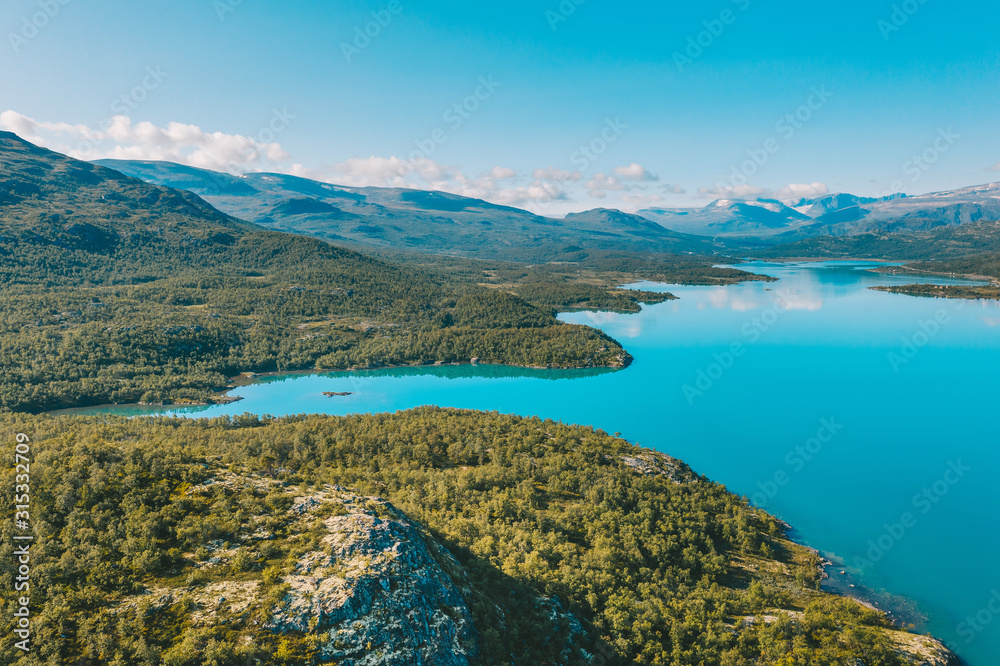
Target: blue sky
x,y
666,121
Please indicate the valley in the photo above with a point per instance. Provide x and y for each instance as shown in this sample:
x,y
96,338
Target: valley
x,y
124,292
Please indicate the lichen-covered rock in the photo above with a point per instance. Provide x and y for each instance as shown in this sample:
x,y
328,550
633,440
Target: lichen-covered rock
x,y
650,463
375,593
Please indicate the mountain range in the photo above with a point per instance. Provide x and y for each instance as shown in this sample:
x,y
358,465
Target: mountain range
x,y
404,219
833,215
443,223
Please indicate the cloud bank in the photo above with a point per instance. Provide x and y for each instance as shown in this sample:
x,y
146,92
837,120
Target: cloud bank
x,y
547,190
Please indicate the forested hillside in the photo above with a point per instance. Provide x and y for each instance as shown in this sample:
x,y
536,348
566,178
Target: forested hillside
x,y
234,541
429,222
938,244
119,291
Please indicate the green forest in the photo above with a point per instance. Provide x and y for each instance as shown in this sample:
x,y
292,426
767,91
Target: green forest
x,y
660,565
118,291
937,244
569,545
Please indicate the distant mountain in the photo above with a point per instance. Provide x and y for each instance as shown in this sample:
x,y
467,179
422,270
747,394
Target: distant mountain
x,y
907,214
831,203
832,215
393,218
726,217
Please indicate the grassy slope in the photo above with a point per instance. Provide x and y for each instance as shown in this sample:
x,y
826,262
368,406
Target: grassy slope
x,y
116,290
661,566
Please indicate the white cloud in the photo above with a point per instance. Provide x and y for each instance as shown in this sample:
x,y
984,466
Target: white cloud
x,y
731,192
558,175
635,172
637,201
791,192
502,173
995,167
120,138
427,174
795,191
32,130
538,192
600,184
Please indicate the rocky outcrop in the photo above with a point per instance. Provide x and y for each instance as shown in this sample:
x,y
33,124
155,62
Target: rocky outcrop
x,y
924,650
652,463
374,592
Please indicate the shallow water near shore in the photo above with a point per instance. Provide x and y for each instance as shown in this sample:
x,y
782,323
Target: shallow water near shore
x,y
866,420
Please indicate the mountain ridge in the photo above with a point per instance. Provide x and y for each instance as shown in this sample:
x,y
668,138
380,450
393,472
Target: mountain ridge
x,y
445,223
424,221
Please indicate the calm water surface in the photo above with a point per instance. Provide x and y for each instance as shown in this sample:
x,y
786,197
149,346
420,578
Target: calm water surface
x,y
866,420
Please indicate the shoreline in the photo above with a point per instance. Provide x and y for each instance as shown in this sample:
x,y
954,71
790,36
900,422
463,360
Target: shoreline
x,y
251,378
898,609
904,613
972,277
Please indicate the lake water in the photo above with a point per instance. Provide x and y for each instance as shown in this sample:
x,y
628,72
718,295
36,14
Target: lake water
x,y
866,420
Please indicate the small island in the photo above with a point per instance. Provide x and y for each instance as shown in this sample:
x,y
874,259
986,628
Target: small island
x,y
986,291
335,394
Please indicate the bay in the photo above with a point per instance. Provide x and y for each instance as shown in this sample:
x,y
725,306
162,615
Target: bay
x,y
867,420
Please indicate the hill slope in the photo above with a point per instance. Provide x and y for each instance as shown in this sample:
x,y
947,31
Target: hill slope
x,y
469,538
727,218
937,244
116,291
435,222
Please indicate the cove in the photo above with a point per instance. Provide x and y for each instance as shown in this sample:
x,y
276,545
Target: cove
x,y
867,420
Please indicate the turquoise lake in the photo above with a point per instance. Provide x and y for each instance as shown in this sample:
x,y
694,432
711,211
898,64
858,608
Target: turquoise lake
x,y
866,420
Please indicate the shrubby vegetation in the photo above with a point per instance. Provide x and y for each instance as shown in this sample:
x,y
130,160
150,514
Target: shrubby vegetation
x,y
982,265
178,338
979,264
661,566
937,244
945,291
118,291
